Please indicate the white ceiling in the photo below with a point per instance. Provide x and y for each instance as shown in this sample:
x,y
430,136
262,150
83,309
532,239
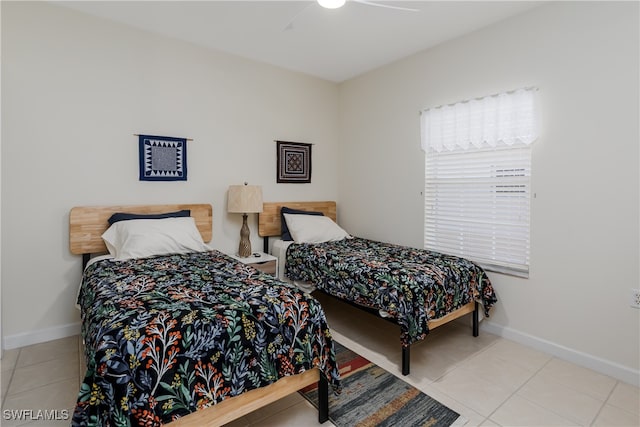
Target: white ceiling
x,y
331,44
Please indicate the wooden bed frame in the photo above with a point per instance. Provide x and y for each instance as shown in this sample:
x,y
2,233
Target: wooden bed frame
x,y
86,225
269,225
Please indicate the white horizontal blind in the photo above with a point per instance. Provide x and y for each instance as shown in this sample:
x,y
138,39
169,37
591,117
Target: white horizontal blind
x,y
477,206
477,179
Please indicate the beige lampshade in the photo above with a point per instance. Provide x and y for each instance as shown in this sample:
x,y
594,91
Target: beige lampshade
x,y
244,199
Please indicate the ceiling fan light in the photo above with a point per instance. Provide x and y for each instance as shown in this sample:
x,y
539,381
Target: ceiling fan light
x,y
331,4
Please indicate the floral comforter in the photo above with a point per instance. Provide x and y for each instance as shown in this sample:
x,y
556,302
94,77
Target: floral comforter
x,y
168,335
411,285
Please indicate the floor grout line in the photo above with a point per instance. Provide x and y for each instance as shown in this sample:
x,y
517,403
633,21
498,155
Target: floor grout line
x,y
515,392
13,370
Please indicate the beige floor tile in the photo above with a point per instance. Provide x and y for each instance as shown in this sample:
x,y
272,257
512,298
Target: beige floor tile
x,y
611,416
33,376
517,354
430,365
472,417
368,330
59,422
300,415
518,411
9,359
5,376
505,373
474,391
275,407
57,396
46,351
561,399
627,397
578,378
456,342
240,422
5,382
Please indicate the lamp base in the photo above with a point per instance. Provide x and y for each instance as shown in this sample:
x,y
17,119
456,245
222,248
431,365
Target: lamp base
x,y
244,249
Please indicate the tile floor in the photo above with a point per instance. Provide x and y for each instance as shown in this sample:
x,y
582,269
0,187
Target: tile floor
x,y
489,380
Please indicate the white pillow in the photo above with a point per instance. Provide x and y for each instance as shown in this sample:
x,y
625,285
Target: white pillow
x,y
140,238
313,228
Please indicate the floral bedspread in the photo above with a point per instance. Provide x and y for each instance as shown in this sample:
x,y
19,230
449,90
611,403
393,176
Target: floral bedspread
x,y
168,335
412,285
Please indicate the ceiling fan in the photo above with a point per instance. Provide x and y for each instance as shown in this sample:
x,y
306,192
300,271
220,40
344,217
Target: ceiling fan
x,y
335,4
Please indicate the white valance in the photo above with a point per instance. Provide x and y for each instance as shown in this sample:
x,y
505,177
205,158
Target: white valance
x,y
498,120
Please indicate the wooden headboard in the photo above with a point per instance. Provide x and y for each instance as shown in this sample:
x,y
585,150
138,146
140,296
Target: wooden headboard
x,y
87,223
269,218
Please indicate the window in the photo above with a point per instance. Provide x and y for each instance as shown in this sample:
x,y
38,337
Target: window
x,y
477,179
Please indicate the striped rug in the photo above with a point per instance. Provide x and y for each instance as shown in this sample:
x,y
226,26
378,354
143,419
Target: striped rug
x,y
372,396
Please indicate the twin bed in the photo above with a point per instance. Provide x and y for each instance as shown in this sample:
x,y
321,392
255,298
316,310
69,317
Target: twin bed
x,y
192,337
417,289
178,332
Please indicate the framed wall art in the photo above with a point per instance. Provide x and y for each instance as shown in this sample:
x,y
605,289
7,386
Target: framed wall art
x,y
162,158
294,162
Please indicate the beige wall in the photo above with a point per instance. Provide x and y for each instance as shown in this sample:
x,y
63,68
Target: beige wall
x,y
583,56
75,89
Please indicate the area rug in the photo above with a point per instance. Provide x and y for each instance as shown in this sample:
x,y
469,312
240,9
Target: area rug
x,y
372,396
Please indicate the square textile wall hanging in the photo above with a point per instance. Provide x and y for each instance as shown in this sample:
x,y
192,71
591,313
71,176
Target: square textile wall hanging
x,y
294,162
162,158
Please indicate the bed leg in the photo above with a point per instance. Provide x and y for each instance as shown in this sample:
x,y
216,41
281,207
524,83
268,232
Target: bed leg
x,y
406,358
475,320
323,399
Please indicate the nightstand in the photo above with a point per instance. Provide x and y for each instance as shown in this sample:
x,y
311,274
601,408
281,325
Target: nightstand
x,y
261,261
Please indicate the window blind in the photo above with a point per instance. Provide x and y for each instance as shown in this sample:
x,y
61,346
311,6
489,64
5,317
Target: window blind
x,y
477,206
478,179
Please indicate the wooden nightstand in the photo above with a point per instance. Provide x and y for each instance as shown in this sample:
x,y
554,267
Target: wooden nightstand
x,y
261,261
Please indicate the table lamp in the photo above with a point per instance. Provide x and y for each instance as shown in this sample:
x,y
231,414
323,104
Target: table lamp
x,y
244,199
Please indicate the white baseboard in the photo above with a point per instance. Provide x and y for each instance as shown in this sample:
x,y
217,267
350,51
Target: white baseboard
x,y
606,367
42,335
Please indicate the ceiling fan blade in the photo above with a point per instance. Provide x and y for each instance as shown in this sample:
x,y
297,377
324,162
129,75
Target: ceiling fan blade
x,y
289,25
386,6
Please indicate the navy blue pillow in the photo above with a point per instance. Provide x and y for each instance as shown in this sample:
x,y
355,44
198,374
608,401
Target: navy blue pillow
x,y
283,224
122,216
